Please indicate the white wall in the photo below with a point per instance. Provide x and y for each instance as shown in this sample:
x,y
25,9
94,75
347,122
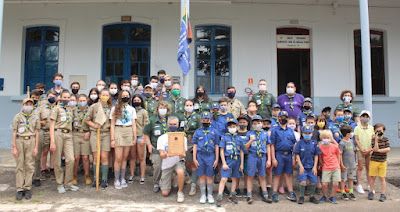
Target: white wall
x,y
253,40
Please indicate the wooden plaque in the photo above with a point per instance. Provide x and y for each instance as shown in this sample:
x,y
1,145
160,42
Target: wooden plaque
x,y
176,143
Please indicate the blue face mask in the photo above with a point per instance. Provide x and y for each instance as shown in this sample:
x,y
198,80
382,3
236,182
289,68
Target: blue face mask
x,y
347,117
82,104
340,118
173,128
307,137
57,82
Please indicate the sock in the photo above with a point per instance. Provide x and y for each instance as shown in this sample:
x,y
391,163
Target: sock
x,y
342,191
116,174
210,188
194,177
203,189
265,193
311,189
123,173
104,172
249,194
302,190
351,190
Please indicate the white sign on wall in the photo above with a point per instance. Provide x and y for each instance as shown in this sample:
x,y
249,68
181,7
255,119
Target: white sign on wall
x,y
293,41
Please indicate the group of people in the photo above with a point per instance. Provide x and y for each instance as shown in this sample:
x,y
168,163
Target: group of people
x,y
271,141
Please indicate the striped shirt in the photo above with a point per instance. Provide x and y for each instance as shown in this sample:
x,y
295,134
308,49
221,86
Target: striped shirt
x,y
378,156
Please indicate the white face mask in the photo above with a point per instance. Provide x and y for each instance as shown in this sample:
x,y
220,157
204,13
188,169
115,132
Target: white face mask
x,y
292,126
154,85
162,111
72,103
134,83
325,141
168,83
347,99
100,88
125,88
113,91
290,90
93,97
232,130
258,127
27,109
189,109
262,87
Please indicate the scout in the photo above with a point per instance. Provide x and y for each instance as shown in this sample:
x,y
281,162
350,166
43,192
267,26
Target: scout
x,y
81,135
61,118
231,151
264,99
348,152
201,101
205,156
223,117
235,106
100,109
176,101
35,96
306,111
306,152
150,102
25,140
258,147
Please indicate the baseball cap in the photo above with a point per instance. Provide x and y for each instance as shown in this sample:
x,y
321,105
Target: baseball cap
x,y
206,115
27,100
308,99
365,112
307,129
283,113
276,106
256,117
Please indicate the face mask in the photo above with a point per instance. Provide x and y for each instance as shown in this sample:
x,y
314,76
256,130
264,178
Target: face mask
x,y
258,127
242,127
41,92
266,128
75,91
292,126
104,98
321,125
35,102
162,80
93,97
327,116
364,120
200,94
154,85
82,104
113,91
100,88
147,95
134,83
189,109
63,103
232,130
325,141
51,100
307,107
347,117
347,99
283,121
231,95
340,118
162,111
125,88
206,125
351,135
27,109
168,83
223,109
176,92
72,103
307,137
379,134
262,87
57,82
125,99
137,104
290,91
172,128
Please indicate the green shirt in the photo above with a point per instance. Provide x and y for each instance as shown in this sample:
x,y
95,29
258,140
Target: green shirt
x,y
155,128
177,105
264,101
151,105
201,106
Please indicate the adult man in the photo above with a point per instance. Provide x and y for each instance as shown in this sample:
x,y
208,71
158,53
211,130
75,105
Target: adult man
x,y
264,100
291,102
176,101
75,87
58,79
235,106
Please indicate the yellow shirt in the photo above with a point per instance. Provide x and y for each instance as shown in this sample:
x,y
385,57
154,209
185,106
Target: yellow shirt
x,y
364,135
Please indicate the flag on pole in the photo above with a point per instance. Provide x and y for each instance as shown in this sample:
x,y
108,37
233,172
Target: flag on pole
x,y
185,38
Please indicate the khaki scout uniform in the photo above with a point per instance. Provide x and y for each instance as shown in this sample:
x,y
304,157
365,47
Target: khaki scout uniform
x,y
26,127
236,107
105,138
264,101
79,128
63,117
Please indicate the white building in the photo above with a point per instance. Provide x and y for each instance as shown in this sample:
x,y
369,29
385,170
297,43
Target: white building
x,y
236,40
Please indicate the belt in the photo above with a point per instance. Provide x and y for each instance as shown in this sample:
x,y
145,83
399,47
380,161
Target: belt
x,y
25,137
64,130
80,130
123,126
233,157
285,152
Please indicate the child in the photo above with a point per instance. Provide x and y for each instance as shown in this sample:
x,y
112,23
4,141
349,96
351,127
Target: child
x,y
243,133
231,151
222,118
378,164
205,156
330,160
307,151
348,152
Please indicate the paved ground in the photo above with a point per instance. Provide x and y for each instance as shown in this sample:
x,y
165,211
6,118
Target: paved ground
x,y
141,198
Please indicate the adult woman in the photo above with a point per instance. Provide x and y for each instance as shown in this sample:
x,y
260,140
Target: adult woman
x,y
93,96
347,97
114,93
201,100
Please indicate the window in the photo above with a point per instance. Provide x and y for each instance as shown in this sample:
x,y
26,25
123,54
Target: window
x,y
213,58
41,55
377,62
126,51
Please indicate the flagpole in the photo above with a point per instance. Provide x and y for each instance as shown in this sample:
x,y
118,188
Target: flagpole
x,y
186,77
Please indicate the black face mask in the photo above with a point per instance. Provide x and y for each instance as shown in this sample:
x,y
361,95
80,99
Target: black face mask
x,y
75,91
242,127
307,107
266,128
137,104
283,121
206,125
379,133
200,94
41,92
231,95
51,100
147,95
125,99
35,102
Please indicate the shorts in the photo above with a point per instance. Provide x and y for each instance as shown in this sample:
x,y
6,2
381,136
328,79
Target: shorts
x,y
81,146
308,175
285,164
189,155
234,168
256,165
330,176
206,162
45,139
167,174
123,136
377,169
104,141
245,166
348,174
139,139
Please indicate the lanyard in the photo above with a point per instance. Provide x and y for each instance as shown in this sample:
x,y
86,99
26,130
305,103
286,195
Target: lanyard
x,y
205,136
164,124
258,144
234,154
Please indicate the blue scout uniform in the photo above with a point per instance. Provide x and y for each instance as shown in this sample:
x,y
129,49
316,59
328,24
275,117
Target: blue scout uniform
x,y
257,153
220,123
303,117
307,150
206,140
232,146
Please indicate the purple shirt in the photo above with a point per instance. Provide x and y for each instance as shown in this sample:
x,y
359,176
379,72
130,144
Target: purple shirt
x,y
292,105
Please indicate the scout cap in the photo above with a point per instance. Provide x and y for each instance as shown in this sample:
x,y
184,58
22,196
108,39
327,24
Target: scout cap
x,y
231,121
307,129
276,106
206,115
283,113
308,99
27,100
242,117
365,112
148,86
215,105
256,118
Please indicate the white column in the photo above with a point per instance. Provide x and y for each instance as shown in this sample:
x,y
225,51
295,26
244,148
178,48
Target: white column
x,y
366,55
1,24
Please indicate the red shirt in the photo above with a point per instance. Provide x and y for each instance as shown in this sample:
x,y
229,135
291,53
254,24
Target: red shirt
x,y
330,157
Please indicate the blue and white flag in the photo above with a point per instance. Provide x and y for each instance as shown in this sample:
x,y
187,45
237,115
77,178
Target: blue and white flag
x,y
185,38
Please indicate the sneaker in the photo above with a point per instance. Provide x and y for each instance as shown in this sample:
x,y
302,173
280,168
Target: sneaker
x,y
249,200
301,200
19,195
156,188
28,194
266,198
370,195
88,180
36,183
117,184
323,199
226,191
275,197
72,187
219,201
141,182
382,198
130,179
203,199
314,200
74,181
238,193
192,191
360,189
352,197
332,200
123,183
269,190
47,173
345,197
181,197
61,189
233,199
210,199
292,197
104,184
